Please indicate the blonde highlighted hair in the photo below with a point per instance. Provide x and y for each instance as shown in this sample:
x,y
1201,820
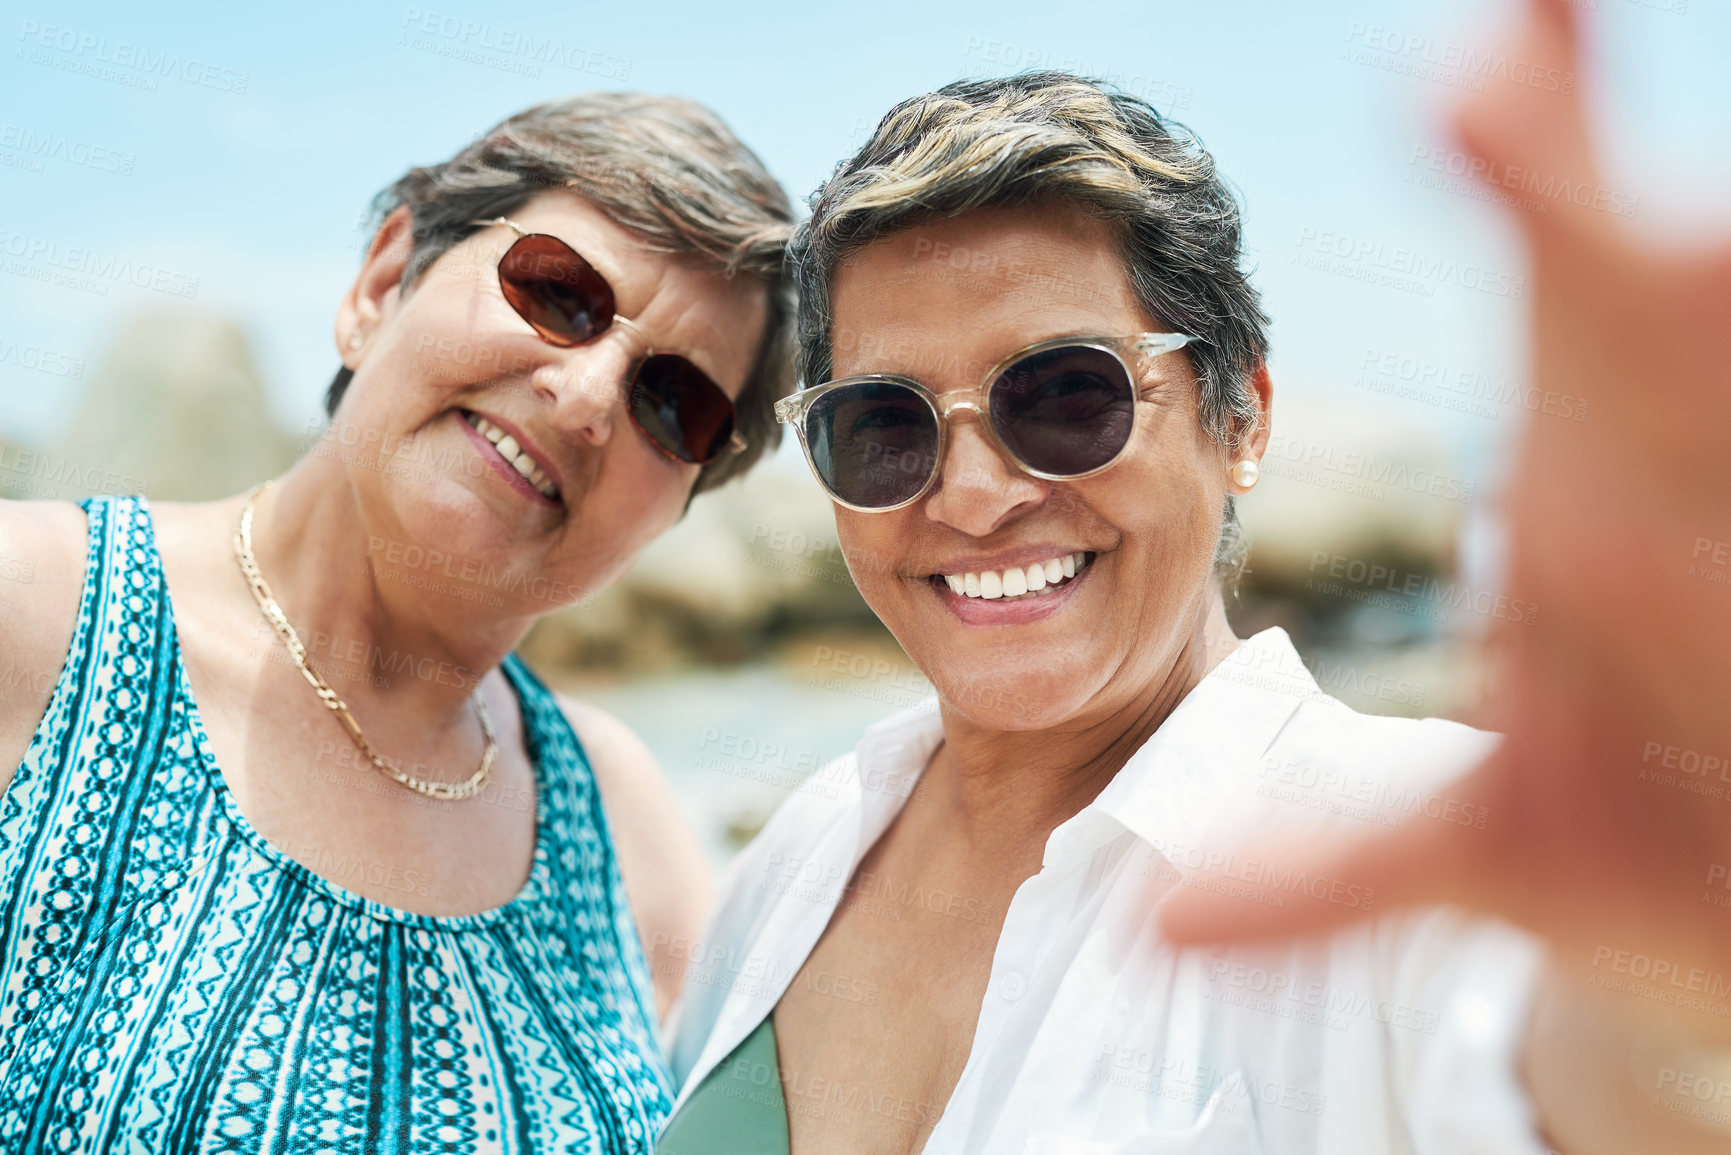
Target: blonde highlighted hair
x,y
1052,136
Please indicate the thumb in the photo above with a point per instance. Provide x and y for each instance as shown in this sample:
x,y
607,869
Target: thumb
x,y
1422,861
1528,125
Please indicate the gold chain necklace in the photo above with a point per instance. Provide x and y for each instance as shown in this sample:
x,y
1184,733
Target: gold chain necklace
x,y
444,791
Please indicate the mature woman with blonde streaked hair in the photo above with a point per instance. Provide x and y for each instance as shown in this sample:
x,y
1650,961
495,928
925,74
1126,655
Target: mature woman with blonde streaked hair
x,y
1051,393
1034,387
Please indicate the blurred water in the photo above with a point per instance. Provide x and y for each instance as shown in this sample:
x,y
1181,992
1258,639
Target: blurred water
x,y
735,742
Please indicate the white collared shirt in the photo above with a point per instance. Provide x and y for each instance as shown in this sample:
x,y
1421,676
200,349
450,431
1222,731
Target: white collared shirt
x,y
1095,1037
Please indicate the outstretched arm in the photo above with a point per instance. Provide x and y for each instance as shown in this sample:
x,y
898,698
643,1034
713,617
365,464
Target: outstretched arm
x,y
1605,835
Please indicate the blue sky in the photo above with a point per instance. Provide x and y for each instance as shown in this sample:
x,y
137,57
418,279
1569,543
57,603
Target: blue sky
x,y
238,145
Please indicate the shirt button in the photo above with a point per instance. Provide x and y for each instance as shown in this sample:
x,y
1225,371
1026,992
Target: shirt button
x,y
1012,987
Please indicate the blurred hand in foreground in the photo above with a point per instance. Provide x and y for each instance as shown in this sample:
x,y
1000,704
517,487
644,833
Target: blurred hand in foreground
x,y
1609,801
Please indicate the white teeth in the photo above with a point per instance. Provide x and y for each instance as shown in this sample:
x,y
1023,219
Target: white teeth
x,y
514,455
485,428
1017,581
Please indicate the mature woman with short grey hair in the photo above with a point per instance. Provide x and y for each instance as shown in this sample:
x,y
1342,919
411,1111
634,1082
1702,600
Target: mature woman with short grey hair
x,y
1035,384
307,860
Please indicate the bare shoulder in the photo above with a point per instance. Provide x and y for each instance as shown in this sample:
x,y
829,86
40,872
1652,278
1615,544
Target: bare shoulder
x,y
638,798
615,751
660,859
43,547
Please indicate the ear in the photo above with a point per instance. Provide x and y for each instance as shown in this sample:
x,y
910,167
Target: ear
x,y
373,296
1253,443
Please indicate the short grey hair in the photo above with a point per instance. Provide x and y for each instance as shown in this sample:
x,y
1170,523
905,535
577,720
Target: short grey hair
x,y
1051,136
665,169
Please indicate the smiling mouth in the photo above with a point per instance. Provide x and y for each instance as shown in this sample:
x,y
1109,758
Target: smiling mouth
x,y
514,455
1017,583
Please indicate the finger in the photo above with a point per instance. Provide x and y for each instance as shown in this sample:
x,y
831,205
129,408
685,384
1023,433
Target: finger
x,y
1423,861
1529,123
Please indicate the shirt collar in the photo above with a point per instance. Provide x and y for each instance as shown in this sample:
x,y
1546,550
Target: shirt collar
x,y
890,761
1172,790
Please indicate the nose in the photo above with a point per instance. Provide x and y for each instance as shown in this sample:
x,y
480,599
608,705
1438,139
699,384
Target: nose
x,y
979,489
589,385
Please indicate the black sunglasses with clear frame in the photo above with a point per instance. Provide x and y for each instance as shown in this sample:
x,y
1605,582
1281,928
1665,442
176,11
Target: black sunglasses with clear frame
x,y
1062,409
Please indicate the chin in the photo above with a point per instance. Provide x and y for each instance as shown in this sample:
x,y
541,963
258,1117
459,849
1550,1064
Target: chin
x,y
446,511
1016,697
445,531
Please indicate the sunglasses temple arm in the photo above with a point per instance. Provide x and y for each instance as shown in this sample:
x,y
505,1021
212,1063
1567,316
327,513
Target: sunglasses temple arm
x,y
506,221
1154,344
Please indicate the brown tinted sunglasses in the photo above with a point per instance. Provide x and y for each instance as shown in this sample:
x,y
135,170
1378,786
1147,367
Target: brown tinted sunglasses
x,y
567,302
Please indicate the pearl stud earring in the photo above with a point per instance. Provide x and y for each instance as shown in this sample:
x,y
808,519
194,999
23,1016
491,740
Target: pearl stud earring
x,y
356,340
1244,473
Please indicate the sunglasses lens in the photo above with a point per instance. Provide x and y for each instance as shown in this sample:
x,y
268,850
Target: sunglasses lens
x,y
1065,411
874,443
681,409
554,289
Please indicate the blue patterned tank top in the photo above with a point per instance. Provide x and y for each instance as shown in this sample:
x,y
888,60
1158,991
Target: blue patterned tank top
x,y
171,982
